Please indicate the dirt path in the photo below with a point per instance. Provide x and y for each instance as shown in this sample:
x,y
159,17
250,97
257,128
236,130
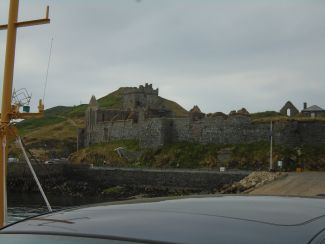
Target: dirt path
x,y
72,122
295,184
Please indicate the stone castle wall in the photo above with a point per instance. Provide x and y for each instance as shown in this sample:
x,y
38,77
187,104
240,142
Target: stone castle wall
x,y
155,132
312,132
136,123
137,98
242,130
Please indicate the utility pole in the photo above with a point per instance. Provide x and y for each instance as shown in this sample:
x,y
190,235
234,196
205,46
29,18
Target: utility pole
x,y
10,111
271,146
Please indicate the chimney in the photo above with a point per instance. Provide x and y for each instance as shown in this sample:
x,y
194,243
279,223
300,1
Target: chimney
x,y
305,105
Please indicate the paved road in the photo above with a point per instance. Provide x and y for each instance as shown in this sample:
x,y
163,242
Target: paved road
x,y
295,184
214,171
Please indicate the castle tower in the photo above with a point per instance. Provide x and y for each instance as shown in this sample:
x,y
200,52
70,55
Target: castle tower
x,y
91,113
93,102
91,118
143,97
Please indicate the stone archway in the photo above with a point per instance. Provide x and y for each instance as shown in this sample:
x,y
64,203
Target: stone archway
x,y
289,110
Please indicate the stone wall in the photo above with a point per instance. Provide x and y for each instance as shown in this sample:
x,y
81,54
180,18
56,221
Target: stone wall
x,y
312,132
237,129
116,130
137,98
144,119
76,178
241,130
207,180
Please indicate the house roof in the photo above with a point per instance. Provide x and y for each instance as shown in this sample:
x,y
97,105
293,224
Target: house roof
x,y
287,105
313,108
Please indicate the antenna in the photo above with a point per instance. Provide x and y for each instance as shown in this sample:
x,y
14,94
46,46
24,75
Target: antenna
x,y
21,97
47,69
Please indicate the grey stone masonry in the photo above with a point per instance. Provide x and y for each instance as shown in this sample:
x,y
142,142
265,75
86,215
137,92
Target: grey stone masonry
x,y
152,132
289,109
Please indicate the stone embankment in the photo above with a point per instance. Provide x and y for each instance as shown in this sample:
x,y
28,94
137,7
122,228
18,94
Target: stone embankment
x,y
82,180
253,181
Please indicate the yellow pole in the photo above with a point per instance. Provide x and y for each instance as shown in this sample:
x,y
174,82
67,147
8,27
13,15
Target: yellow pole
x,y
6,103
7,110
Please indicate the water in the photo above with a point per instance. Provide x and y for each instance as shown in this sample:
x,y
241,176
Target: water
x,y
22,206
19,213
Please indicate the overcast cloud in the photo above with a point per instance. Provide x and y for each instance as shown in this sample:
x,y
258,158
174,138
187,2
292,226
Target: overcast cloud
x,y
219,55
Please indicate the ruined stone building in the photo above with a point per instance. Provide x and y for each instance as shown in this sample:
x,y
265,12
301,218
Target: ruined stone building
x,y
313,111
289,109
144,118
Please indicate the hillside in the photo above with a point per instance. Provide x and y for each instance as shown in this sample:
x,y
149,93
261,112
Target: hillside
x,y
55,136
58,114
58,128
254,156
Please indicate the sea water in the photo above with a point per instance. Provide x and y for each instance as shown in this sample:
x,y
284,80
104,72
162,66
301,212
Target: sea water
x,y
22,206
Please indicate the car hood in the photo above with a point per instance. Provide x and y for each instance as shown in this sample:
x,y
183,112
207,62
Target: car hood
x,y
245,218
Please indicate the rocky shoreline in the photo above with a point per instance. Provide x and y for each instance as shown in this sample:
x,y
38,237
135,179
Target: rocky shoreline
x,y
118,183
252,181
125,183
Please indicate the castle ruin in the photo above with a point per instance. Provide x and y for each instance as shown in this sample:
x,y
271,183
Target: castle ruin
x,y
145,119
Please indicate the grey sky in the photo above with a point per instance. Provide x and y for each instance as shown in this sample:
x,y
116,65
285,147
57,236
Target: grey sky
x,y
220,55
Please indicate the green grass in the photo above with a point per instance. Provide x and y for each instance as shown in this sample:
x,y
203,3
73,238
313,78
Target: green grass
x,y
268,116
58,114
114,190
77,111
57,124
104,153
195,155
313,157
265,114
251,156
178,110
113,100
254,156
57,111
29,125
180,155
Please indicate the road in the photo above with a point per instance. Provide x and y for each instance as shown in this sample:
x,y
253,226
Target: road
x,y
172,170
295,184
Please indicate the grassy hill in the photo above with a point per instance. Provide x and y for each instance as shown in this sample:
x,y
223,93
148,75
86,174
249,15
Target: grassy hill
x,y
60,124
55,135
254,156
59,114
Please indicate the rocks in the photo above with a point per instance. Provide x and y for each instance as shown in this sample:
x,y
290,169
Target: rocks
x,y
252,181
243,111
81,180
195,109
